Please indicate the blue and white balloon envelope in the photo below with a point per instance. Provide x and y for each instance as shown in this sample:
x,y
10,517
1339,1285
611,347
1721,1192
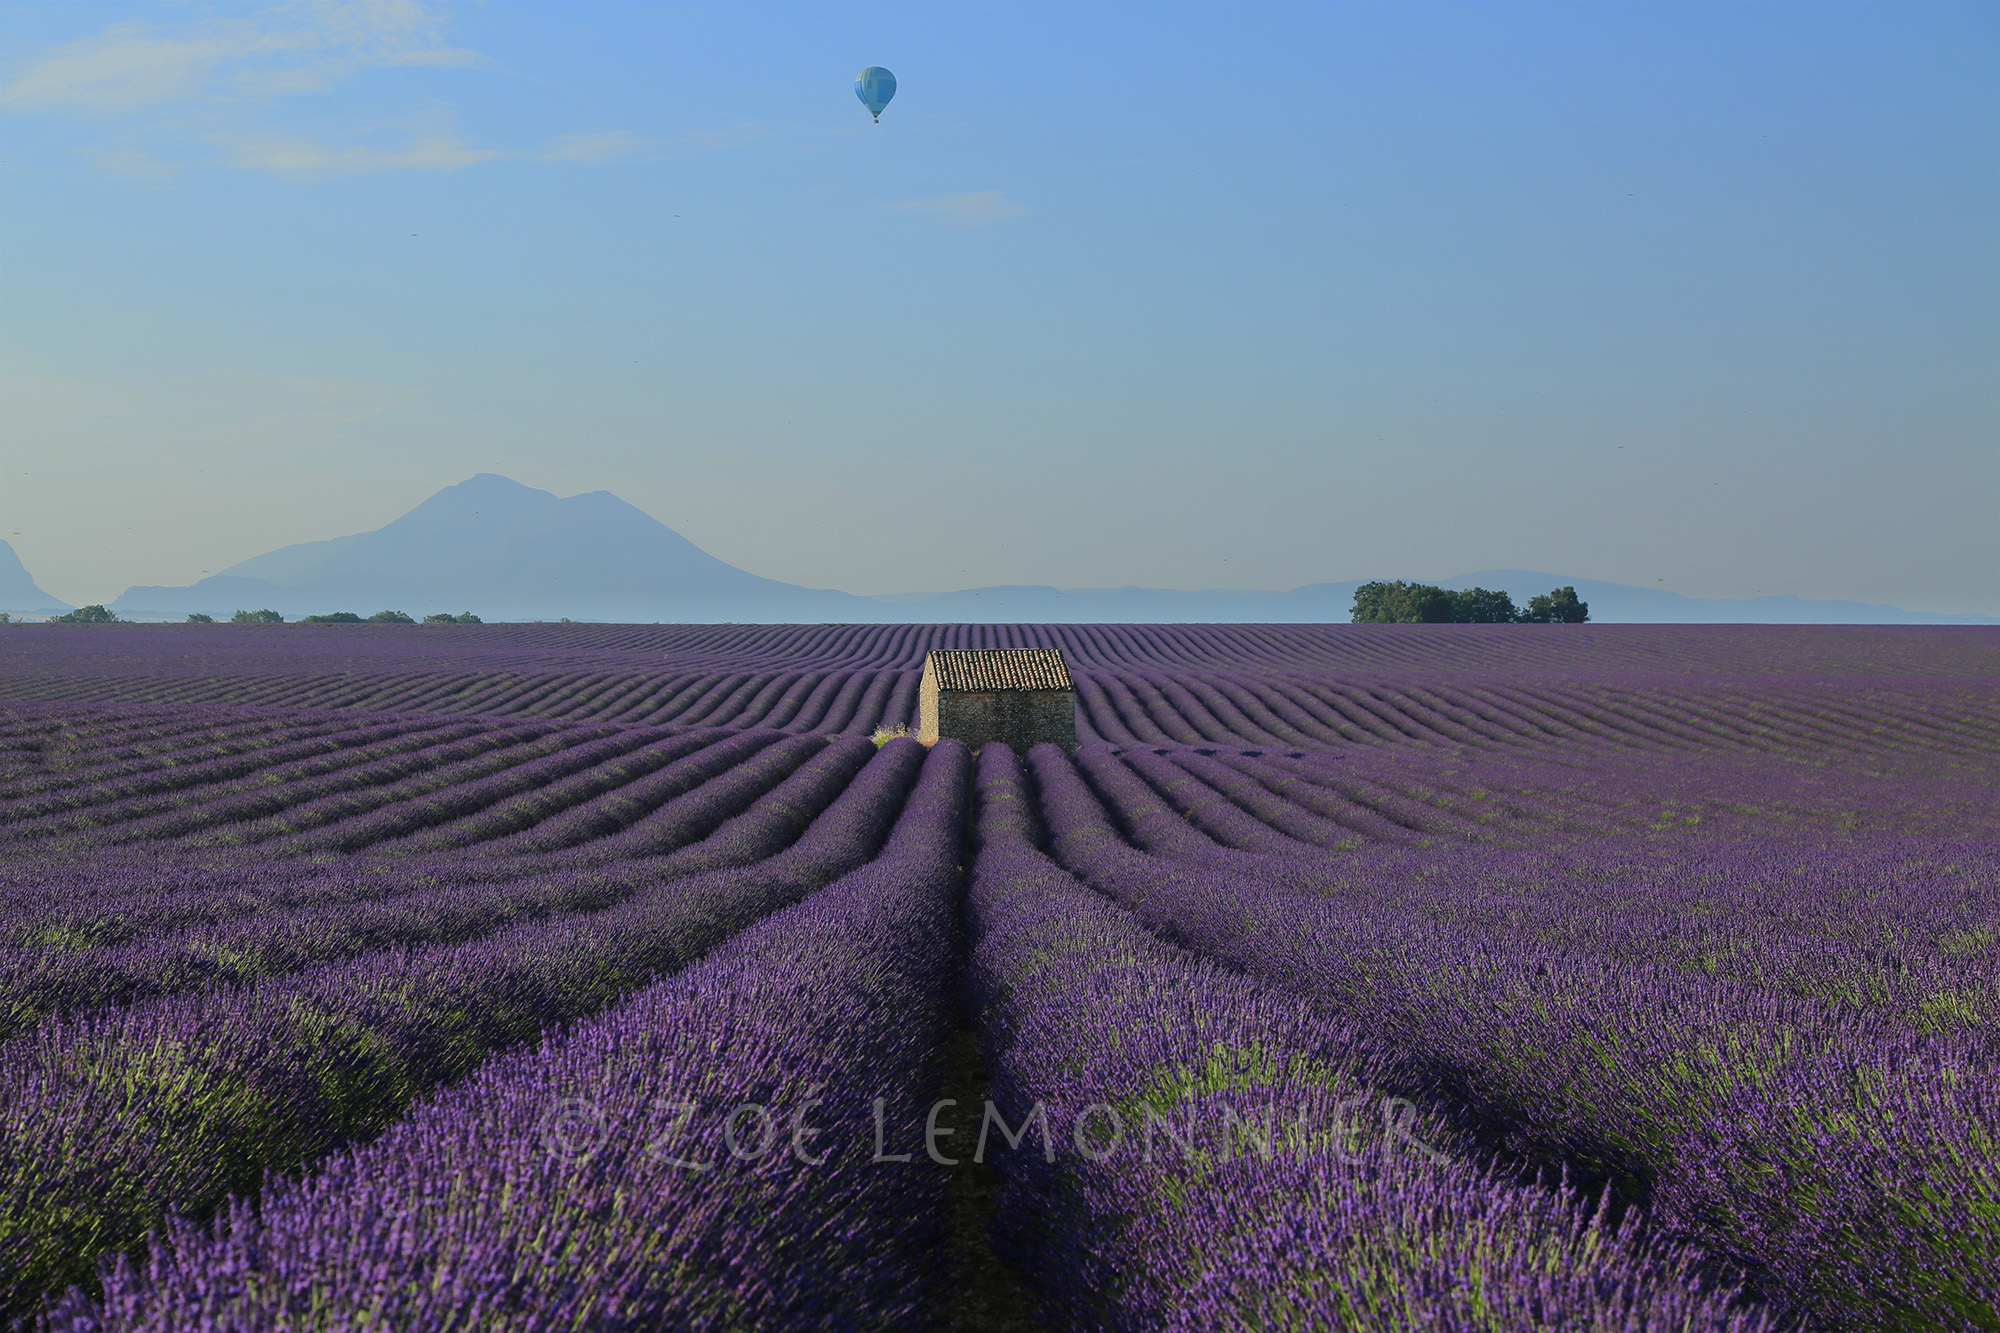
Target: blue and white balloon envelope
x,y
875,86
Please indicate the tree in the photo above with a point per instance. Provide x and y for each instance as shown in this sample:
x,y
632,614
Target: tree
x,y
94,614
264,617
390,618
1560,606
336,618
1401,603
467,618
1482,606
198,618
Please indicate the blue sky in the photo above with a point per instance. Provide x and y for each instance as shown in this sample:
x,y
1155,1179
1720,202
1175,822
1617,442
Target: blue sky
x,y
1696,297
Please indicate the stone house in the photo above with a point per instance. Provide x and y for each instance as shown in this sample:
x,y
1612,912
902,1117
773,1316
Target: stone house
x,y
1020,696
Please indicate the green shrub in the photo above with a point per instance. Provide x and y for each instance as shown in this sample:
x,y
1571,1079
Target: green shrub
x,y
1559,607
94,614
1401,603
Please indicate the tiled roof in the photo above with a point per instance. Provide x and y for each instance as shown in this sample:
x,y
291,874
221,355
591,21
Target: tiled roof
x,y
998,669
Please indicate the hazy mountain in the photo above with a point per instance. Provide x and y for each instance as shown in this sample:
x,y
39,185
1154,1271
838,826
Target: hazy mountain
x,y
510,552
18,592
507,552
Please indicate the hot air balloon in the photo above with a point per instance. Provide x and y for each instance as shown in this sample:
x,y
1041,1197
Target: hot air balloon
x,y
875,86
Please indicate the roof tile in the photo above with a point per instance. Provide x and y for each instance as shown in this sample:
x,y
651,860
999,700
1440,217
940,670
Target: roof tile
x,y
998,669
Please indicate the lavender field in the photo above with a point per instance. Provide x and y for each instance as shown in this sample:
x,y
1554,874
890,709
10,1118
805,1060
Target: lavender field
x,y
561,977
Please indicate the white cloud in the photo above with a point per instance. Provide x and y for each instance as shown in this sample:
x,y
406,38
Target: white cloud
x,y
594,146
598,146
129,65
299,47
301,158
975,209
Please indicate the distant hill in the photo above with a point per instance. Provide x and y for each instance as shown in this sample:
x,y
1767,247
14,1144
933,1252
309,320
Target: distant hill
x,y
18,593
509,552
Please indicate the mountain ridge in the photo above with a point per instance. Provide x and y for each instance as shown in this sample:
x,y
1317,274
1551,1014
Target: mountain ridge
x,y
18,590
506,551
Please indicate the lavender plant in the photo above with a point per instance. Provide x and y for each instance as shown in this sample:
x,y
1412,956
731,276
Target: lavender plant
x,y
1221,1154
585,1184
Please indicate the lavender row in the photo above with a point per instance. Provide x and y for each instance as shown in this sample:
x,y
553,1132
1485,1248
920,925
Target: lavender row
x,y
257,807
550,788
442,905
109,1122
284,808
487,785
1519,800
742,813
84,748
136,899
624,1147
306,752
771,815
38,983
1658,714
1218,1154
1195,803
1291,805
749,760
1746,652
109,898
1330,689
335,820
392,815
1819,1103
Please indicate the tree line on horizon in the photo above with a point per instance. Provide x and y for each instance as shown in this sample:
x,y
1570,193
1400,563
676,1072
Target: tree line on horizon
x,y
1394,602
1399,603
98,614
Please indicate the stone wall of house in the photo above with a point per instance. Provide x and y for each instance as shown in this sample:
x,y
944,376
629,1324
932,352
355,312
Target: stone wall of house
x,y
927,707
1019,718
